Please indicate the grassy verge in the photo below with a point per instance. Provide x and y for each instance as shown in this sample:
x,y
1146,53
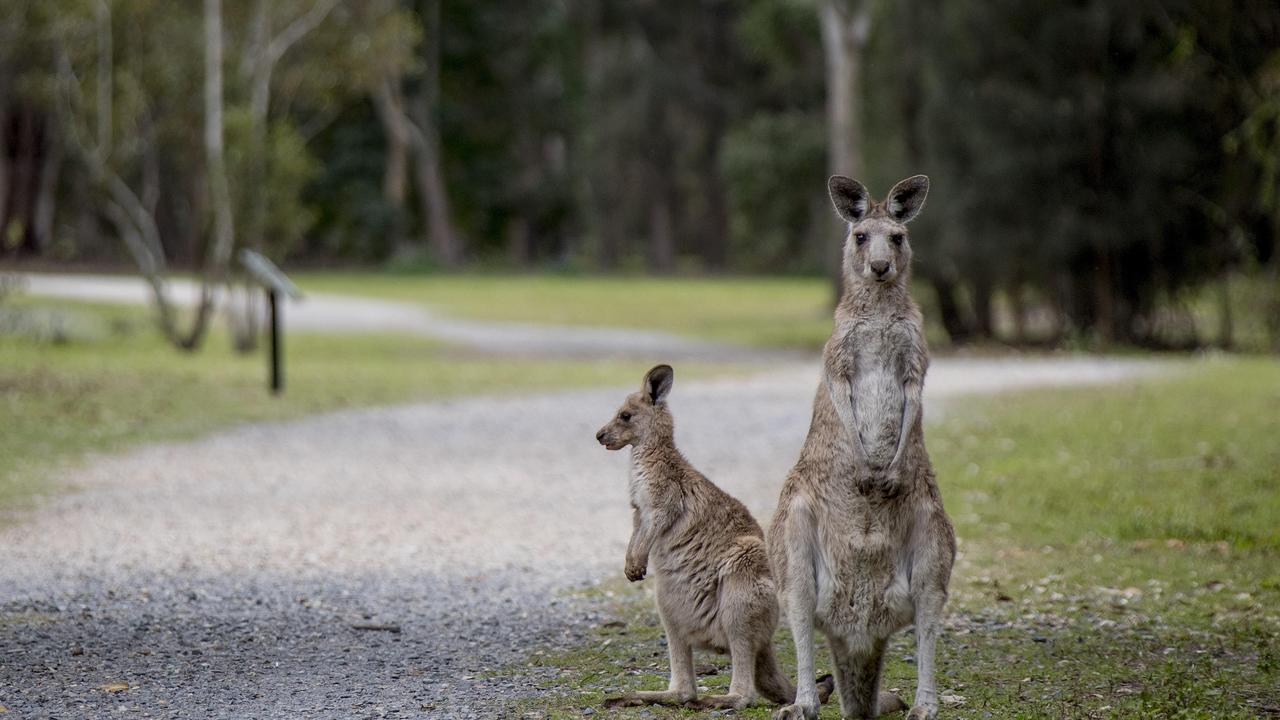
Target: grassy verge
x,y
78,378
1119,559
761,311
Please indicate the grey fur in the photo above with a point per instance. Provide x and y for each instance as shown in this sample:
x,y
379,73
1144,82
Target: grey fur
x,y
860,543
710,568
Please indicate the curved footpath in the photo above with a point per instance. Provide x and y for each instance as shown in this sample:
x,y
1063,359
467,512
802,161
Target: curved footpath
x,y
320,312
222,577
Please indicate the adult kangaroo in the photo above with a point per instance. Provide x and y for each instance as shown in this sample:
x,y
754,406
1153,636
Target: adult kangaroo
x,y
860,545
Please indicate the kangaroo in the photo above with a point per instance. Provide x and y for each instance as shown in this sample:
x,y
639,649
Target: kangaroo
x,y
713,586
860,543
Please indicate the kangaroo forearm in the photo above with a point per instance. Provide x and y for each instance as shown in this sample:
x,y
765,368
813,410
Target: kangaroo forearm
x,y
841,391
637,561
640,545
647,531
911,407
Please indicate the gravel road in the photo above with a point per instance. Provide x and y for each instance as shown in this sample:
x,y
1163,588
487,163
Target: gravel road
x,y
222,577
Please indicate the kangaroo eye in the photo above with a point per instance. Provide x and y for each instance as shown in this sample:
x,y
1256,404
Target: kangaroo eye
x,y
861,238
896,238
625,417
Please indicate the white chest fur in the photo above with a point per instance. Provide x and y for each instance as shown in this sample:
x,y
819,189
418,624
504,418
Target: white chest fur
x,y
877,392
638,488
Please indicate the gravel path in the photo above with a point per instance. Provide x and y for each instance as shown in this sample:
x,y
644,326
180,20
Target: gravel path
x,y
222,577
318,312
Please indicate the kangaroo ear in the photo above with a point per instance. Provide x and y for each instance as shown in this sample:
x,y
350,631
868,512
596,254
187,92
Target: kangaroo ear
x,y
657,383
907,198
850,197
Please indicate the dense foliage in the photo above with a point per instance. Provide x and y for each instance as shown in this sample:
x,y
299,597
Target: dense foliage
x,y
1093,162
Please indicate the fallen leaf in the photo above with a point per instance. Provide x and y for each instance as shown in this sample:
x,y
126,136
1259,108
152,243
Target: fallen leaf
x,y
114,687
952,700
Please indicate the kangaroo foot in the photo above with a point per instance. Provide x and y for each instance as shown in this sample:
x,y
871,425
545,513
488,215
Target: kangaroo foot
x,y
796,712
731,701
923,712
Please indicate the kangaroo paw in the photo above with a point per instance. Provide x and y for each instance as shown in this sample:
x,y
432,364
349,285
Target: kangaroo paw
x,y
720,702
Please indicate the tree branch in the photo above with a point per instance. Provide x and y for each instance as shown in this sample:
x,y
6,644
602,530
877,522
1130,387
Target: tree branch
x,y
298,29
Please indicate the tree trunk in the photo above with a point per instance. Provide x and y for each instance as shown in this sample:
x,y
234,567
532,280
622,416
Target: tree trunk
x,y
87,231
434,199
259,107
389,102
432,191
1226,325
713,228
983,290
47,192
219,255
136,227
5,167
845,25
953,319
22,182
583,93
1104,299
519,242
661,234
1018,308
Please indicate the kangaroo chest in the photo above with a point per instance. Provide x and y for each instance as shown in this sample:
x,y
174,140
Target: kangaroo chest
x,y
874,353
638,490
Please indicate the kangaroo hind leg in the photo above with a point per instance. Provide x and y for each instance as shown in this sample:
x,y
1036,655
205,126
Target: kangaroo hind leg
x,y
681,688
742,684
858,680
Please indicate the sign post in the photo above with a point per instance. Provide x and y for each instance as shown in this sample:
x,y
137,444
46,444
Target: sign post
x,y
277,286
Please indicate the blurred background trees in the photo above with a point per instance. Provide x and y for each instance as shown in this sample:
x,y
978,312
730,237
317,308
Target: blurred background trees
x,y
1094,163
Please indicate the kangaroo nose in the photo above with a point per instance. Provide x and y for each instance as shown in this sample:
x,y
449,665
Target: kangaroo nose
x,y
600,436
880,266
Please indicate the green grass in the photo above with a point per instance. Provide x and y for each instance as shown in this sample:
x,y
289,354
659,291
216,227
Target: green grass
x,y
1119,559
767,312
100,378
785,312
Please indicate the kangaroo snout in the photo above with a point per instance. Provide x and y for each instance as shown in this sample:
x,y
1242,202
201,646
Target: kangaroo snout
x,y
607,439
880,267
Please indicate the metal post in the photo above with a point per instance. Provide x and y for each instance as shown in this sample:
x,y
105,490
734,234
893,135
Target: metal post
x,y
278,287
277,378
